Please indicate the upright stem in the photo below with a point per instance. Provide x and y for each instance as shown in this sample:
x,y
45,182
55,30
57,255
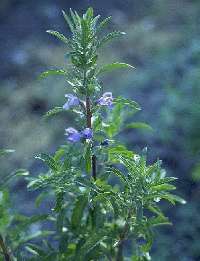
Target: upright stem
x,y
4,250
94,167
88,112
93,157
122,238
89,125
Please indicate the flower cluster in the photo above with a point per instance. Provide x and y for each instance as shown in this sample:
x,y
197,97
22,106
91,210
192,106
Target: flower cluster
x,y
72,134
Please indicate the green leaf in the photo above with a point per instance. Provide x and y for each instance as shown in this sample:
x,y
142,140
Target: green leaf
x,y
78,211
119,150
52,72
53,112
48,160
89,13
147,246
93,241
119,174
114,122
173,198
6,151
112,66
159,221
35,250
68,20
155,209
84,182
127,102
17,173
87,157
110,37
163,187
42,196
59,36
139,125
103,24
59,154
35,235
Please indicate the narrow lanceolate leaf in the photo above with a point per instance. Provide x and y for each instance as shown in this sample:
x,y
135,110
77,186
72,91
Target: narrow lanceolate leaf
x,y
48,160
120,150
35,250
52,72
93,241
5,151
119,174
94,22
159,221
173,198
163,187
139,125
112,66
78,211
89,13
109,37
127,102
59,36
103,24
18,173
68,20
53,112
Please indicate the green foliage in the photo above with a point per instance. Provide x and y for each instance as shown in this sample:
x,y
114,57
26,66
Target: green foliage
x,y
105,195
15,229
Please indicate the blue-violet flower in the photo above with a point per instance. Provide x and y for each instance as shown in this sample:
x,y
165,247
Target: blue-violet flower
x,y
72,135
87,133
72,101
106,99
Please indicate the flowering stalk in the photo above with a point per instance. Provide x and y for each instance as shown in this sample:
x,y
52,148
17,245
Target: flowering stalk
x,y
117,211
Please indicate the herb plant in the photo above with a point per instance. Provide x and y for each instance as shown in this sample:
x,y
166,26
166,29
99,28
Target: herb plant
x,y
106,196
15,229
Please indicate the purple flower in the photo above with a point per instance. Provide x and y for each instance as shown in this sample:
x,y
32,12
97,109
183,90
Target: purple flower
x,y
72,135
87,133
106,99
72,101
105,142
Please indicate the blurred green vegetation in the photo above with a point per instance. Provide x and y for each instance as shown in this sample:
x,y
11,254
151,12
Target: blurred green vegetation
x,y
163,43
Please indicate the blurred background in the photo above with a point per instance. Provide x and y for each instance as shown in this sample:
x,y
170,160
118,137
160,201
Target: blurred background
x,y
162,42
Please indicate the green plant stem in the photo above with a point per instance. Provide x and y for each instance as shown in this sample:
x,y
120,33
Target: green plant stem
x,y
89,125
122,238
94,167
120,251
4,250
